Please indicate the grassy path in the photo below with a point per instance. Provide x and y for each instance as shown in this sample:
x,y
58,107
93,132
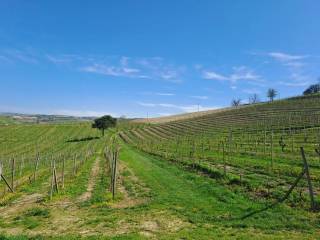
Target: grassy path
x,y
92,181
209,210
155,200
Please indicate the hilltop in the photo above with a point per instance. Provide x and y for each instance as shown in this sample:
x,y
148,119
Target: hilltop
x,y
288,102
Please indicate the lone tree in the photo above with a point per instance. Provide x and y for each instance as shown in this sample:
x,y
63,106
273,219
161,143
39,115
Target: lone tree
x,y
104,123
235,102
271,94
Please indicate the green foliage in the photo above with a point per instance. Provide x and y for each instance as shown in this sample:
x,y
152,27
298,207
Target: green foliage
x,y
271,94
104,123
312,89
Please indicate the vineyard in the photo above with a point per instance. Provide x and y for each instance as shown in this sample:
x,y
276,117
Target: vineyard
x,y
259,147
251,172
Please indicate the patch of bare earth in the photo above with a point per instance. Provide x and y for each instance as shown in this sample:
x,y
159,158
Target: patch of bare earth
x,y
67,217
92,181
20,205
153,224
127,201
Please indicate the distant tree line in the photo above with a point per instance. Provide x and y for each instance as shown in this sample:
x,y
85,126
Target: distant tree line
x,y
254,98
272,94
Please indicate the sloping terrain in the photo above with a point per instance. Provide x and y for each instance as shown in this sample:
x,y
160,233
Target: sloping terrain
x,y
257,146
207,177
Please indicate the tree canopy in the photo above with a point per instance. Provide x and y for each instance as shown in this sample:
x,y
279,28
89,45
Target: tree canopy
x,y
314,88
235,102
271,94
104,123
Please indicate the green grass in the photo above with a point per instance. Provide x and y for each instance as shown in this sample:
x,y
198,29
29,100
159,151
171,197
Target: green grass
x,y
155,198
201,201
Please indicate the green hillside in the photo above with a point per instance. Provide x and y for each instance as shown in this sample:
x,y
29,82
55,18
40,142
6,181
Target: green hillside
x,y
224,175
256,146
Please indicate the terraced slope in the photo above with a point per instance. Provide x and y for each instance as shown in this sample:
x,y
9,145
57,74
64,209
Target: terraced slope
x,y
257,145
28,151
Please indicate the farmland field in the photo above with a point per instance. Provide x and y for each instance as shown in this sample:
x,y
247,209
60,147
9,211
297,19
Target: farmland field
x,y
223,174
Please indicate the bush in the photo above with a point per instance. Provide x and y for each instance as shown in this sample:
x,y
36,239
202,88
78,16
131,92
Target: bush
x,y
312,89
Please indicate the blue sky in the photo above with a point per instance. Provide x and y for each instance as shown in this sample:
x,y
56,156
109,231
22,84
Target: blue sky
x,y
139,58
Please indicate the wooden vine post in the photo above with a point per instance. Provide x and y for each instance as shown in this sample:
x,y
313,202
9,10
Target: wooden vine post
x,y
111,155
12,173
306,168
272,149
36,166
230,145
54,180
62,174
74,164
224,160
4,179
114,172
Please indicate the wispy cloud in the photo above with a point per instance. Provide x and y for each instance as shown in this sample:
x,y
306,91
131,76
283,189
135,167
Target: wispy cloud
x,y
147,68
200,97
183,108
297,80
165,94
143,104
81,113
159,69
120,71
23,56
296,67
294,84
59,59
241,73
284,57
291,61
214,76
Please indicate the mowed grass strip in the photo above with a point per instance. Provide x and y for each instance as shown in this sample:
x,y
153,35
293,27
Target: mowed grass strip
x,y
209,206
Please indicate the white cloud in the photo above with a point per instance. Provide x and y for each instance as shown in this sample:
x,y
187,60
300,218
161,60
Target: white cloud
x,y
200,97
243,73
82,113
283,57
294,84
183,108
195,108
148,68
167,105
239,73
147,104
297,80
58,60
296,68
294,62
23,56
165,94
120,71
213,76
